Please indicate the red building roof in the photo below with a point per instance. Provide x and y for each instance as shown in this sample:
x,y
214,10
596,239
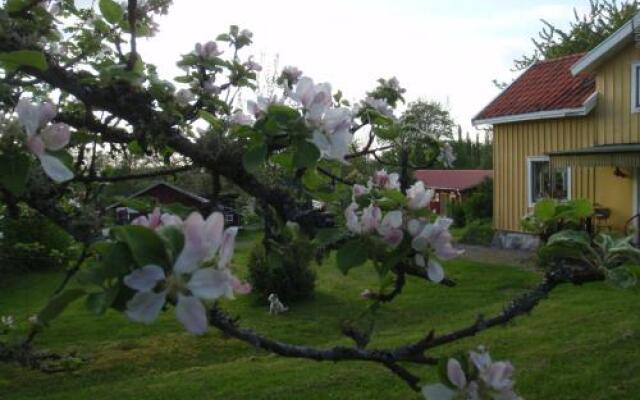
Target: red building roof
x,y
545,86
453,179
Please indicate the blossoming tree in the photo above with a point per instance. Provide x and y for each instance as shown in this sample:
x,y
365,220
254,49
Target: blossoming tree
x,y
72,81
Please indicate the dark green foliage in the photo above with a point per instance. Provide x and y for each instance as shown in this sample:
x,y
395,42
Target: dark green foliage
x,y
584,33
478,232
456,212
33,243
479,204
473,154
550,216
286,272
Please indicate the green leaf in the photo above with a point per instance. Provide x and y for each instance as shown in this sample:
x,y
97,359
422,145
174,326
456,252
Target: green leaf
x,y
622,278
545,209
328,236
353,254
14,171
111,11
174,238
24,58
582,208
13,6
145,245
311,179
58,304
99,302
306,155
254,158
570,238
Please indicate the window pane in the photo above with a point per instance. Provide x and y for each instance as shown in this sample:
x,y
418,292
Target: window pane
x,y
544,184
540,179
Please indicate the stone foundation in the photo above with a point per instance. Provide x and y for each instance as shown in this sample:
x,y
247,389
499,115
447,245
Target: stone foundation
x,y
515,241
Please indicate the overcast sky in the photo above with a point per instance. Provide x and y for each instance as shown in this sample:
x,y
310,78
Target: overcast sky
x,y
448,51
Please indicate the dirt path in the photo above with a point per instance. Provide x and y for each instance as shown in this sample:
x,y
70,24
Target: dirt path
x,y
490,255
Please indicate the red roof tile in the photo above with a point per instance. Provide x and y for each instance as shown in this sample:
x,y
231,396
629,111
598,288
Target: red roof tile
x,y
453,179
545,86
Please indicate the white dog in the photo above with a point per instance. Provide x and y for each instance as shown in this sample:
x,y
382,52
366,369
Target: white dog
x,y
275,305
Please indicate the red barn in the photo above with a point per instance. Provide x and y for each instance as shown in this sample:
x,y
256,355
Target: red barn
x,y
451,184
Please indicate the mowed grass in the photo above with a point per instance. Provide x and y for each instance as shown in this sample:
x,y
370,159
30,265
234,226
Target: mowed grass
x,y
581,343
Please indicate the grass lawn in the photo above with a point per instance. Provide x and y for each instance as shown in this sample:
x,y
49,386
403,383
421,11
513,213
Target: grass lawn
x,y
582,343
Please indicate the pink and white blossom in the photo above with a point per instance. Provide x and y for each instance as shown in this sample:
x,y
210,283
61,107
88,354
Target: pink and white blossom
x,y
493,381
437,237
240,118
435,272
384,180
157,220
291,74
208,50
193,279
252,65
391,228
359,191
380,105
43,137
184,97
418,197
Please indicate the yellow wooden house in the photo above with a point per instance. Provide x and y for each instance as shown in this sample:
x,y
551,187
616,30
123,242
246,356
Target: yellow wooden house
x,y
569,128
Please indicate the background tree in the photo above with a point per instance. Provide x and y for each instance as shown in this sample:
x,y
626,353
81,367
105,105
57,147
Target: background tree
x,y
584,33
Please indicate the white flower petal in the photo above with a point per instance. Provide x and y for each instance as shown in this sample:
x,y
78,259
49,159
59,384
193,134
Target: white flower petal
x,y
194,250
213,230
145,306
435,271
144,279
28,116
56,136
227,247
54,168
191,313
456,374
211,284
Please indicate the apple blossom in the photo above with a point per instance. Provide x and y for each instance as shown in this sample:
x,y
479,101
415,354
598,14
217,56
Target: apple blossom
x,y
252,65
42,137
157,220
184,97
490,380
438,238
379,105
359,191
240,118
291,74
383,180
192,280
371,217
208,51
418,197
353,224
391,228
261,105
447,157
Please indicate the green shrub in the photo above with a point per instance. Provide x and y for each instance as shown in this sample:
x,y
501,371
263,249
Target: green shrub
x,y
285,269
552,216
33,243
479,205
479,232
456,213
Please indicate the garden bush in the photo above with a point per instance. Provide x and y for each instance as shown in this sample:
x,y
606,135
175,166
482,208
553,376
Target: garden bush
x,y
33,243
456,213
479,232
479,205
282,269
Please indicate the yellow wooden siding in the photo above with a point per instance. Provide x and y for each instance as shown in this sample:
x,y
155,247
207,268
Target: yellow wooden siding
x,y
514,143
611,122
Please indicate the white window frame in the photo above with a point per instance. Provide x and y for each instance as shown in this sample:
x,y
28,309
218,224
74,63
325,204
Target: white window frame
x,y
635,87
530,161
228,218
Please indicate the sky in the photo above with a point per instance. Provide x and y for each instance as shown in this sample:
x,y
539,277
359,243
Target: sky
x,y
449,51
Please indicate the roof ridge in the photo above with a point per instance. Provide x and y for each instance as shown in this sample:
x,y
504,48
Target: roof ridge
x,y
562,58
